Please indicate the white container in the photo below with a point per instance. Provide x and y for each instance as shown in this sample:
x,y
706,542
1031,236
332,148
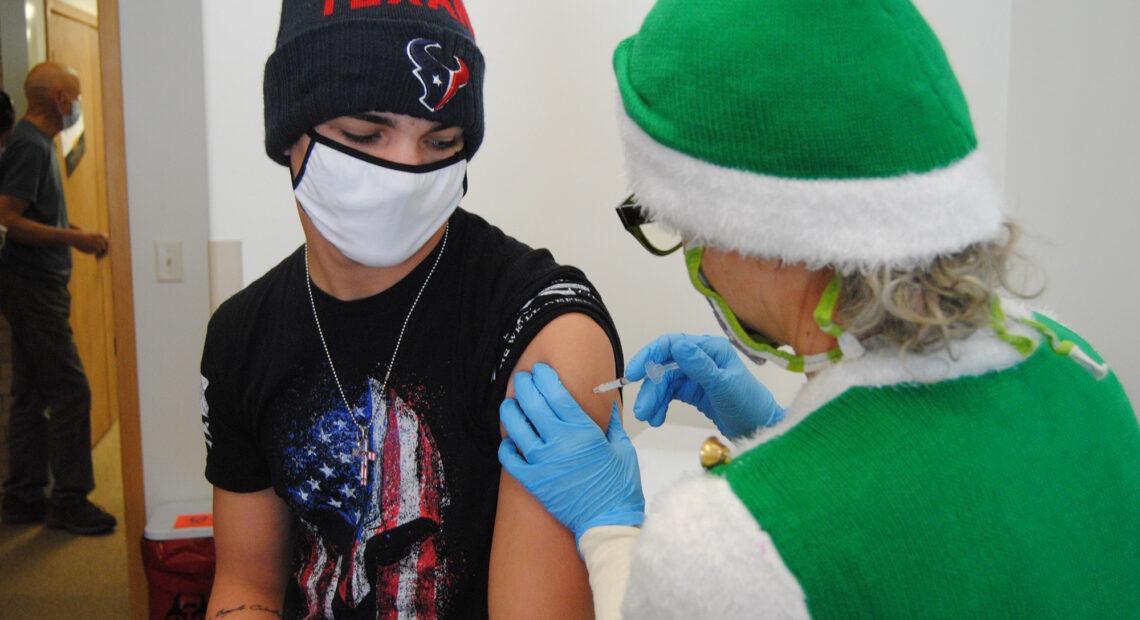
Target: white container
x,y
177,520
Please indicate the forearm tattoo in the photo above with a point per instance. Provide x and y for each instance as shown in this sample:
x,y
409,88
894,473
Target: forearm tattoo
x,y
222,613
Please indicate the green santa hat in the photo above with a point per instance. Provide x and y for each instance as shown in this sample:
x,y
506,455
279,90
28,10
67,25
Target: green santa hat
x,y
823,132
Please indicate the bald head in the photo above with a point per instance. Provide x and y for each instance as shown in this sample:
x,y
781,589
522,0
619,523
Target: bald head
x,y
50,89
48,77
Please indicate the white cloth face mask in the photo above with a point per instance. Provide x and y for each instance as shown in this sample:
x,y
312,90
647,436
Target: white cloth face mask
x,y
376,212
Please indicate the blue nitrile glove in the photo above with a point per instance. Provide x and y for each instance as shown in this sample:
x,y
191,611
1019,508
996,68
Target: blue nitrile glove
x,y
709,376
584,478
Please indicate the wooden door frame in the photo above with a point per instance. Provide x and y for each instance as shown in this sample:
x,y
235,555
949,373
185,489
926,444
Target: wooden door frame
x,y
122,292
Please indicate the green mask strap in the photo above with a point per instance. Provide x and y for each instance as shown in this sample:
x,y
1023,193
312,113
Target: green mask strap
x,y
1027,346
752,339
849,345
767,348
1024,345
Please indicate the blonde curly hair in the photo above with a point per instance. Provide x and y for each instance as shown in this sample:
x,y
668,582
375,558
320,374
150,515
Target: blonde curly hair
x,y
929,308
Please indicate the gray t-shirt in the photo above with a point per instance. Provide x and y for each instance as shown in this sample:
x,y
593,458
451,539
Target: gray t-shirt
x,y
29,170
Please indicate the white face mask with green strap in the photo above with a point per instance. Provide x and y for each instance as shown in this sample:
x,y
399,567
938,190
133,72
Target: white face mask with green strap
x,y
760,348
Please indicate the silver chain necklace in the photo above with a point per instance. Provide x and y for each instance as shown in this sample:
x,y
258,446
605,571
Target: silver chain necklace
x,y
364,451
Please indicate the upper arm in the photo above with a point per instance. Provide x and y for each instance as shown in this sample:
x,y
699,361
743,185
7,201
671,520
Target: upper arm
x,y
535,566
11,209
579,349
26,230
24,167
253,541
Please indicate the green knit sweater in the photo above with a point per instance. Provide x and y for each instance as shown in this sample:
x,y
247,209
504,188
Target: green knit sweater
x,y
1011,494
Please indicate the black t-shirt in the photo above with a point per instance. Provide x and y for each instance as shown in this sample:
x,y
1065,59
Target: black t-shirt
x,y
29,170
416,537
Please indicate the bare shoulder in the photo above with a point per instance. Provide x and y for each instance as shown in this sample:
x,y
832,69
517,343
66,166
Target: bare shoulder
x,y
579,349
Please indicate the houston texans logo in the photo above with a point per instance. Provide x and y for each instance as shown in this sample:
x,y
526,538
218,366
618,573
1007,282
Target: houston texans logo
x,y
438,90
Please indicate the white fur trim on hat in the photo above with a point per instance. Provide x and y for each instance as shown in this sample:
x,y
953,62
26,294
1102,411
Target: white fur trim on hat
x,y
901,222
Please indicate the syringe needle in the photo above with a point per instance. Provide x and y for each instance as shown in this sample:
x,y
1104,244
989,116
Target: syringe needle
x,y
611,385
653,371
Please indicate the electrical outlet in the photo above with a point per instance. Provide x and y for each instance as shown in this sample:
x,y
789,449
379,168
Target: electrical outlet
x,y
168,261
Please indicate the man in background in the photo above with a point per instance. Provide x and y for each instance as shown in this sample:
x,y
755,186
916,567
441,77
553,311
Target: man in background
x,y
50,425
7,121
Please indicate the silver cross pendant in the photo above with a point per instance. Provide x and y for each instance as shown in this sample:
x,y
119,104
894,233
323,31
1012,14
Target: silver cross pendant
x,y
367,457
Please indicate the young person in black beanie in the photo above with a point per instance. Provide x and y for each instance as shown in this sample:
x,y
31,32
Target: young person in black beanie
x,y
350,395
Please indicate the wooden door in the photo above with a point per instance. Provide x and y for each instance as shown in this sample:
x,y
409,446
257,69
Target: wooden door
x,y
73,40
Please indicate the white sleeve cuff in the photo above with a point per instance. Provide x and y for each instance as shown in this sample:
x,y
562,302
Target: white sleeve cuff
x,y
606,550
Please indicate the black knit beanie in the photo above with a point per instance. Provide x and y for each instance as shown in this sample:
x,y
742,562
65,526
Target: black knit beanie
x,y
341,57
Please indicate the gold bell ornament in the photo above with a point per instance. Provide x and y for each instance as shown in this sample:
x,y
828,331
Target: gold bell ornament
x,y
714,453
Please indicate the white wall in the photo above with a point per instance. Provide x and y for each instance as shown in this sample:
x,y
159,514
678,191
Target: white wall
x,y
975,35
13,52
1074,136
22,45
549,172
166,180
251,198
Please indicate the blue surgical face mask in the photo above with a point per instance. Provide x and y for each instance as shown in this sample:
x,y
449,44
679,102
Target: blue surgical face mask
x,y
760,348
69,120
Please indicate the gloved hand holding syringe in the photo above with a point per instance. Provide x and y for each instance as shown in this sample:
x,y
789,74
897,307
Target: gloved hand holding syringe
x,y
710,376
653,371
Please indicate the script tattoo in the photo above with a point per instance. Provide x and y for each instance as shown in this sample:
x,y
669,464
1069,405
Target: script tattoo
x,y
221,613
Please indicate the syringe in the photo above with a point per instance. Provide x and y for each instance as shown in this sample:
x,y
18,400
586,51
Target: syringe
x,y
653,372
